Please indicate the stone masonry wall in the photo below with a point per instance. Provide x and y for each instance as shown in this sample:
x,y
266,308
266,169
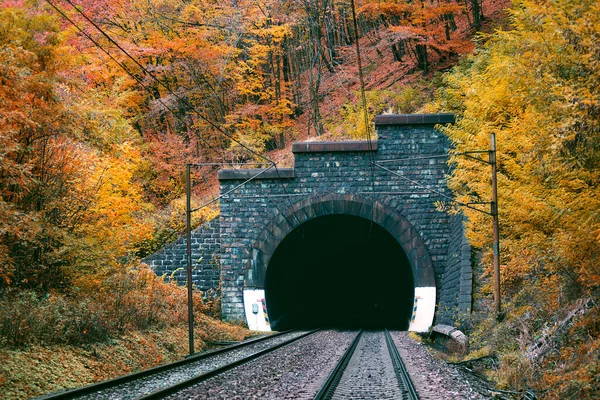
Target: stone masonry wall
x,y
245,212
409,146
171,260
455,303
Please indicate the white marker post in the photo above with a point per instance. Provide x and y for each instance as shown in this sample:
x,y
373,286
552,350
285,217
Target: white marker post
x,y
256,311
423,309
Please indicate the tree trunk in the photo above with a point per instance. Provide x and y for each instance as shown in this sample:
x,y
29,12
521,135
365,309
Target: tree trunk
x,y
422,63
330,35
476,14
398,51
287,73
317,58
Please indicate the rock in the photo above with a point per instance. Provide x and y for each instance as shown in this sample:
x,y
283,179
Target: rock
x,y
450,338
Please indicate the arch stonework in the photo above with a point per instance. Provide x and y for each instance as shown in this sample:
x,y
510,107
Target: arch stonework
x,y
334,204
395,224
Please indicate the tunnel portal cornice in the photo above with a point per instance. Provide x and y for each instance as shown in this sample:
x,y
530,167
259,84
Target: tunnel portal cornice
x,y
414,119
331,147
354,146
230,174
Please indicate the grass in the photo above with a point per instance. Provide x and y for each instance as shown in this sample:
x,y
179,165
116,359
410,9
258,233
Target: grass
x,y
39,369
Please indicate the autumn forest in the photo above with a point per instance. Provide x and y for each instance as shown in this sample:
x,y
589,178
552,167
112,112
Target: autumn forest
x,y
102,104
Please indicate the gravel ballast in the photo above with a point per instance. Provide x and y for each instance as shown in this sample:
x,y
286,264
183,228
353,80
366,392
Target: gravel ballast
x,y
370,373
155,382
296,371
434,379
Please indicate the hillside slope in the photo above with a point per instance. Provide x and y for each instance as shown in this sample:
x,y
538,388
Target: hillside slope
x,y
535,85
391,86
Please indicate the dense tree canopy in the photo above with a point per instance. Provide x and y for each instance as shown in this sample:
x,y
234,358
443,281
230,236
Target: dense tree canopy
x,y
536,87
105,101
68,200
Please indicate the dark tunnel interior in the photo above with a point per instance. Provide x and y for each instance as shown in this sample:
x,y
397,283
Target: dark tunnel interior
x,y
339,271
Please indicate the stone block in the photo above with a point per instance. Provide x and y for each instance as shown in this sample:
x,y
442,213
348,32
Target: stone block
x,y
451,339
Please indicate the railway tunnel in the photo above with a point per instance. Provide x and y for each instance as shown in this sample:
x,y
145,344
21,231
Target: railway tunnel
x,y
296,246
339,271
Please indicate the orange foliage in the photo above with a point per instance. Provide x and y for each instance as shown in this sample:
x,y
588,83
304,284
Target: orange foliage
x,y
69,201
432,24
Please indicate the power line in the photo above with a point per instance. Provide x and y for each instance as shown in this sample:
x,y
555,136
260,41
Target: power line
x,y
233,189
424,157
144,69
271,162
443,195
138,79
365,112
131,74
141,83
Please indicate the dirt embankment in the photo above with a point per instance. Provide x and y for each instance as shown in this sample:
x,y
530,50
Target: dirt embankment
x,y
39,369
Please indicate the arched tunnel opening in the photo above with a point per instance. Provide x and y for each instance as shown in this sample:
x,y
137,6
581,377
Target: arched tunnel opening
x,y
339,271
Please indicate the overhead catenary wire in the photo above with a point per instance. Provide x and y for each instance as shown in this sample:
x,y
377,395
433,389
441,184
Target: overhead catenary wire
x,y
219,129
365,111
141,83
214,164
149,73
183,100
161,83
270,162
233,189
436,192
440,155
126,69
423,157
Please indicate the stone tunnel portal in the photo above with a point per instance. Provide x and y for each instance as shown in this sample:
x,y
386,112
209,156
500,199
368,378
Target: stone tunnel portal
x,y
339,271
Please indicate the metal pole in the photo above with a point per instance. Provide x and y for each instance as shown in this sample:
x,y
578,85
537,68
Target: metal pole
x,y
496,228
188,234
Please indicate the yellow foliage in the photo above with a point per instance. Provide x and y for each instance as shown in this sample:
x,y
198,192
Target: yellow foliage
x,y
532,87
115,218
536,87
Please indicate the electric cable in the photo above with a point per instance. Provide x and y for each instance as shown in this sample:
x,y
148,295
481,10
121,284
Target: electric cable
x,y
365,112
161,83
219,129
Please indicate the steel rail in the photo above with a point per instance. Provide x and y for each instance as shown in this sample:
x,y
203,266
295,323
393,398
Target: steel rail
x,y
112,383
159,394
408,389
333,380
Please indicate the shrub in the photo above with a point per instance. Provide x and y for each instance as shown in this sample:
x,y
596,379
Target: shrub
x,y
132,300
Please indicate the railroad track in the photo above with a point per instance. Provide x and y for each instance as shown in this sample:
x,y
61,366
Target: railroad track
x,y
406,385
336,387
158,382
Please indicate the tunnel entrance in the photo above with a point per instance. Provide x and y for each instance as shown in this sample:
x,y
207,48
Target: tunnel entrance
x,y
339,271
